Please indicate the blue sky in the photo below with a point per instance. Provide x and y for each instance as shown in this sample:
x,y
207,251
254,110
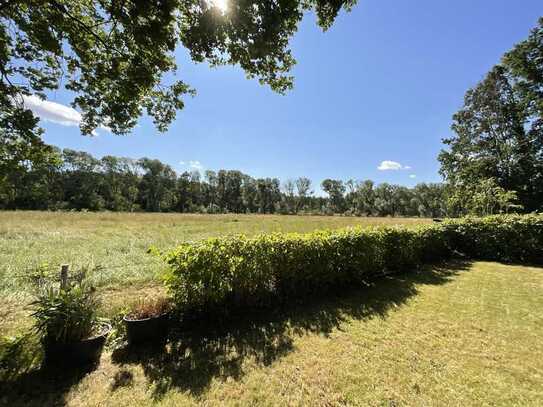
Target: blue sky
x,y
380,85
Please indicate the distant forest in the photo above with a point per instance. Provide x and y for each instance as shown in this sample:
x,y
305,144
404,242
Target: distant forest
x,y
77,180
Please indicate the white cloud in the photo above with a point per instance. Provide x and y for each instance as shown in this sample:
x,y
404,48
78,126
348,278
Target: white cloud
x,y
54,112
194,164
412,176
388,165
197,165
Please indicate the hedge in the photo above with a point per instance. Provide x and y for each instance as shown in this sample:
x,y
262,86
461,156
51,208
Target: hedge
x,y
239,271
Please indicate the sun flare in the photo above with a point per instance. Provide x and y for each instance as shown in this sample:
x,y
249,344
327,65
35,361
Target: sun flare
x,y
221,5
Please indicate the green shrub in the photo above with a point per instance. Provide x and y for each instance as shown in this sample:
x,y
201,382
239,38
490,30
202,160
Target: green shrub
x,y
219,273
65,315
509,238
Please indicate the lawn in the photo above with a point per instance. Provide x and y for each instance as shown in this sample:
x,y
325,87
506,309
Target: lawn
x,y
460,334
456,334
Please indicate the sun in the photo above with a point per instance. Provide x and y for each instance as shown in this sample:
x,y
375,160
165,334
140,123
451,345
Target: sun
x,y
221,5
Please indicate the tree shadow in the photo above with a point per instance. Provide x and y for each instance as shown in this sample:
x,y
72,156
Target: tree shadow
x,y
47,386
217,349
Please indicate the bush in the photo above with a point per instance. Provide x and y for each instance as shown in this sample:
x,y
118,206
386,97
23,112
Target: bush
x,y
220,273
65,315
506,238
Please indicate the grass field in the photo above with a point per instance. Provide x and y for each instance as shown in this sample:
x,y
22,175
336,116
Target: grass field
x,y
460,335
113,246
457,334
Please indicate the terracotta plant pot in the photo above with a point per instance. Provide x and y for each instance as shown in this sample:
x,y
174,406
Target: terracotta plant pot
x,y
150,331
84,352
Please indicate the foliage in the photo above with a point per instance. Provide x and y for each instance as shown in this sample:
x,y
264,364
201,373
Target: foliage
x,y
77,180
525,61
28,169
118,58
485,198
498,133
65,314
335,190
243,271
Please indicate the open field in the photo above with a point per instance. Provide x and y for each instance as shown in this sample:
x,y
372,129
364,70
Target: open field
x,y
113,246
462,334
456,334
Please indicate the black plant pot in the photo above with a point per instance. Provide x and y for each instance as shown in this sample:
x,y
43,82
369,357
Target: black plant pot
x,y
148,331
85,352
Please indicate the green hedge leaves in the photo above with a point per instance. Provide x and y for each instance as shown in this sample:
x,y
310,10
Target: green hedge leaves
x,y
253,272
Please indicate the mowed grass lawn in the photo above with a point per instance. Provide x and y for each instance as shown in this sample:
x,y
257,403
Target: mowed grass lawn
x,y
456,334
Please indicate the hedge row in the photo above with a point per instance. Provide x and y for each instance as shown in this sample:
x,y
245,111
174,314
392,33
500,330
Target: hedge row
x,y
248,272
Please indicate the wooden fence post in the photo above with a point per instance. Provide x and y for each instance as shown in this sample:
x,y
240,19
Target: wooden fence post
x,y
64,276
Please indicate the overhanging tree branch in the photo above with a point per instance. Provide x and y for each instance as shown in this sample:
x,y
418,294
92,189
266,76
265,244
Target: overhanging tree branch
x,y
61,8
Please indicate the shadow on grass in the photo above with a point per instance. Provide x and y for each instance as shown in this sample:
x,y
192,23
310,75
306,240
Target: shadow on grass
x,y
217,350
47,386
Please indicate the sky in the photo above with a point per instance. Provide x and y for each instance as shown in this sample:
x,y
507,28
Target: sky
x,y
373,97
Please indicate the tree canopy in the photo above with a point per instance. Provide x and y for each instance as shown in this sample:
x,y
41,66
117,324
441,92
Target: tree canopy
x,y
117,56
497,145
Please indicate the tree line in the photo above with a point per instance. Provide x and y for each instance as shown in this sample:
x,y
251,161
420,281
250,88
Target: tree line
x,y
77,180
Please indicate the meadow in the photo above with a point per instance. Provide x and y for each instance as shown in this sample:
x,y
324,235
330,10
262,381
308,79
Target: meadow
x,y
113,246
460,333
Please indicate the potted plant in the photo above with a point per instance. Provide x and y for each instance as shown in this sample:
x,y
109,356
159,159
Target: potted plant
x,y
68,326
148,321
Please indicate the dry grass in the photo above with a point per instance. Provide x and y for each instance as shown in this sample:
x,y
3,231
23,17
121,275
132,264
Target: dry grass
x,y
464,334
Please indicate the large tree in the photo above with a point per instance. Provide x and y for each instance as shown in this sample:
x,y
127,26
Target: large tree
x,y
336,191
117,56
496,137
525,61
303,190
498,134
157,187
